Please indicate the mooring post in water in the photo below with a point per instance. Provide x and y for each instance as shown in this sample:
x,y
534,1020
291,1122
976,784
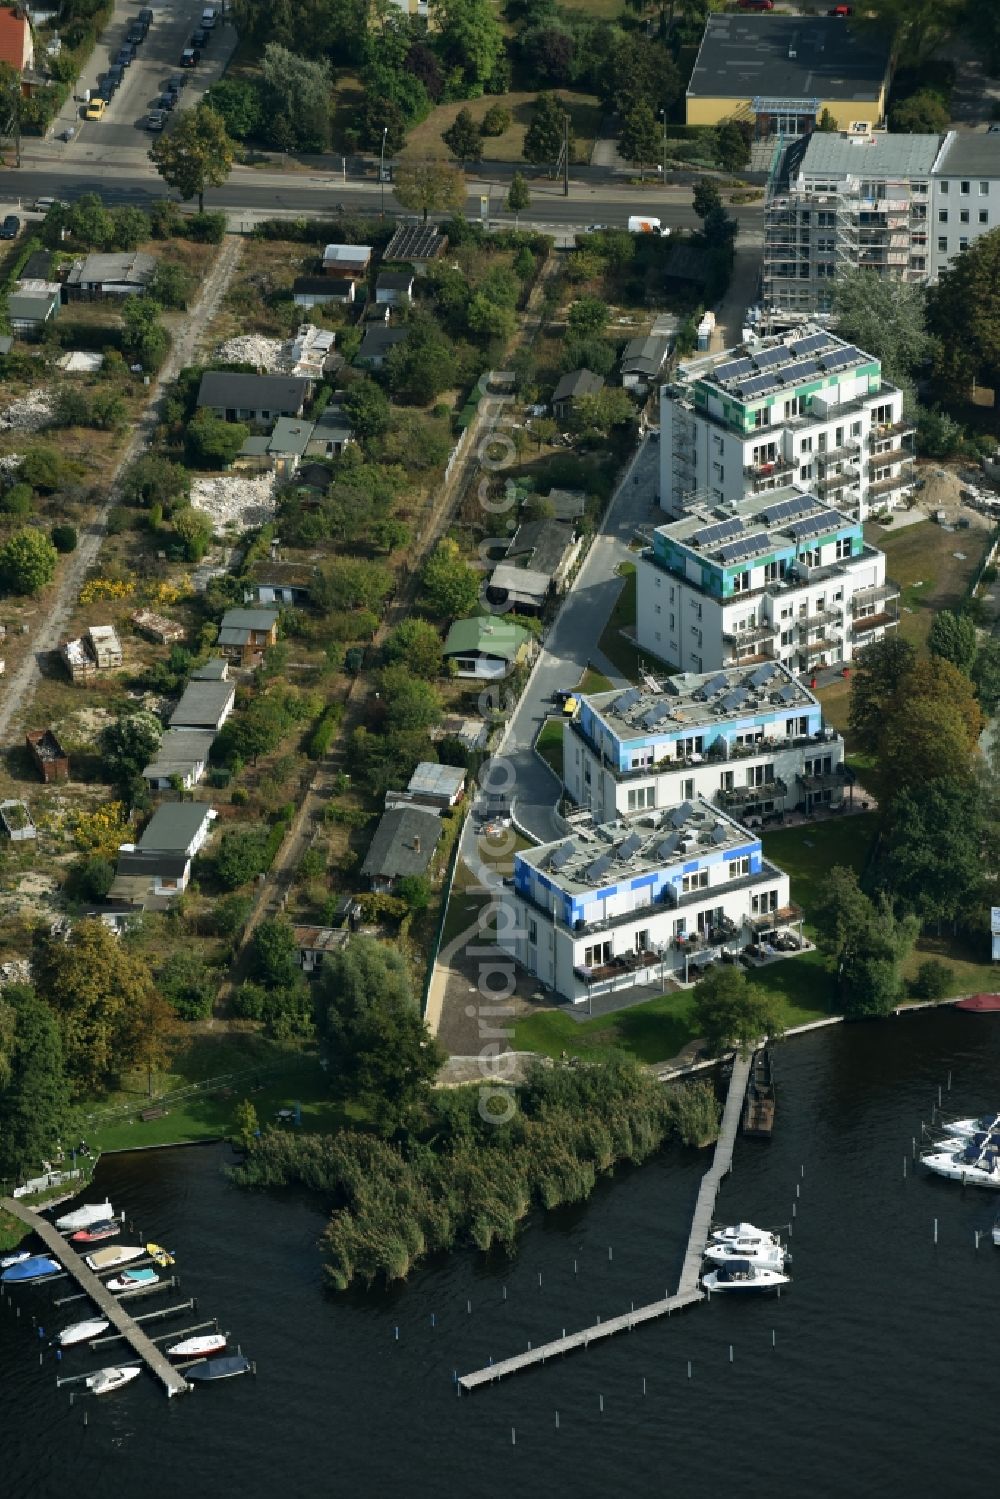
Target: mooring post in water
x,y
904,1168
513,1437
939,1095
772,1337
644,1384
609,1254
913,1148
689,1368
433,1319
505,1293
557,1420
797,1189
802,1172
601,1398
794,1214
574,1267
468,1306
935,1230
730,1353
539,1277
85,1418
949,1079
977,1238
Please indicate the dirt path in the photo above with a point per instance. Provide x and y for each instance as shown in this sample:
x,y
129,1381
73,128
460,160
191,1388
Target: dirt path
x,y
62,602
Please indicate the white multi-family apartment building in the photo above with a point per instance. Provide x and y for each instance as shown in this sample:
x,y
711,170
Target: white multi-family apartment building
x,y
806,409
900,206
636,899
750,740
780,577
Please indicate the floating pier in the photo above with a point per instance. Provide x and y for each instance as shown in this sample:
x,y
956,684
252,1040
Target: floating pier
x,y
688,1290
108,1305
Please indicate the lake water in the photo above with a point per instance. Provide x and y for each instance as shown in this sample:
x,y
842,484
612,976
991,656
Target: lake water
x,y
881,1380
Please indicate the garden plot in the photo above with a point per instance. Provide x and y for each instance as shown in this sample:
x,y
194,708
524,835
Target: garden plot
x,y
234,502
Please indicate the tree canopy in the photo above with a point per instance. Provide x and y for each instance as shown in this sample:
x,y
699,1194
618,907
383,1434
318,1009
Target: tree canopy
x,y
884,317
429,187
194,154
448,585
963,311
34,1099
866,941
731,1011
953,638
27,561
877,673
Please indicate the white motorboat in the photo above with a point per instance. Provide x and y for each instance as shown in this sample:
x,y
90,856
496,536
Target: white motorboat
x,y
200,1347
114,1254
131,1280
16,1259
964,1127
976,1166
758,1251
106,1380
742,1233
744,1275
81,1332
91,1212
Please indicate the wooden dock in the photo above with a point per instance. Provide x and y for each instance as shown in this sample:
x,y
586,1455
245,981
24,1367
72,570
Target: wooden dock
x,y
108,1305
689,1289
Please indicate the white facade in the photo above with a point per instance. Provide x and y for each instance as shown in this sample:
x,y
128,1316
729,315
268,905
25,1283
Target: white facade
x,y
631,902
806,601
750,741
826,421
965,195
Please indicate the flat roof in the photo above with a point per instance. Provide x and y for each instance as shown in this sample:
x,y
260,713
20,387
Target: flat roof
x,y
693,699
431,779
249,619
202,703
491,635
781,362
594,858
787,57
172,827
832,154
290,435
972,152
765,523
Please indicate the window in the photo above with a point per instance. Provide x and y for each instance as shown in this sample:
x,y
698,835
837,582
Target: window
x,y
918,263
806,445
773,571
963,243
966,187
794,407
717,441
843,547
642,941
601,952
944,188
758,774
718,472
688,747
642,760
687,787
641,797
658,609
764,903
942,244
984,189
672,623
739,868
984,215
806,471
532,929
741,582
786,637
680,926
942,215
964,216
727,780
696,881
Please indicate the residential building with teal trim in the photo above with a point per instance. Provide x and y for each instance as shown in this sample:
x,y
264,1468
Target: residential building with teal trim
x,y
750,740
628,903
779,577
806,409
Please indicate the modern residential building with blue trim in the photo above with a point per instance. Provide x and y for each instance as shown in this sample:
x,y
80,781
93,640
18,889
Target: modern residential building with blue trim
x,y
751,740
631,901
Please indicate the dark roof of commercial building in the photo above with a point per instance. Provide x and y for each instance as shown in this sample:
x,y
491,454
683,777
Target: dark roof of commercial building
x,y
644,356
403,843
787,57
976,152
153,861
394,281
284,393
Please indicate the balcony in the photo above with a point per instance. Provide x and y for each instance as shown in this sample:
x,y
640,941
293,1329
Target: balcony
x,y
877,595
626,962
840,775
891,455
830,483
752,635
781,917
837,455
893,429
820,647
743,796
890,485
820,617
769,469
872,622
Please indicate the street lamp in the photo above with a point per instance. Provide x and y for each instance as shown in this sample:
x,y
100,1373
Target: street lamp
x,y
381,172
663,115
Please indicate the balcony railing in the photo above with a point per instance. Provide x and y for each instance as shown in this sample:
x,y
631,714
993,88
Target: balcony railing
x,y
752,634
872,622
768,469
891,455
740,796
836,455
893,429
843,480
840,775
875,595
626,962
887,486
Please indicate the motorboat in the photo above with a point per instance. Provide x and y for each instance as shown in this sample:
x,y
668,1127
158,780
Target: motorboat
x,y
82,1332
742,1233
226,1367
115,1254
91,1212
744,1275
107,1229
16,1259
976,1166
978,1141
985,1122
159,1255
758,1251
200,1347
106,1380
129,1280
980,1004
35,1267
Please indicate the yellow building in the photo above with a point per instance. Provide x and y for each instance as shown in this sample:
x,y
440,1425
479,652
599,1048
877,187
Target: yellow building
x,y
782,72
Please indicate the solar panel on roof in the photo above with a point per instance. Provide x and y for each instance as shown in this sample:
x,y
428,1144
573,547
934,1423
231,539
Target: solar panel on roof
x,y
788,509
734,699
788,693
720,833
657,712
755,387
762,675
747,547
709,535
802,370
734,369
631,846
562,855
826,520
768,358
599,867
627,700
668,847
810,345
841,357
716,684
679,816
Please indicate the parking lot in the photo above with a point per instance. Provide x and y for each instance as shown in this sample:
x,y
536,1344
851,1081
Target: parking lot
x,y
157,59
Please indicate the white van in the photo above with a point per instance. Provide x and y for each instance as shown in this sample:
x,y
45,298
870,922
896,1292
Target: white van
x,y
208,18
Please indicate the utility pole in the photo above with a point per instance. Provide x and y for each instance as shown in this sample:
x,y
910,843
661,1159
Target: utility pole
x,y
663,112
381,173
566,156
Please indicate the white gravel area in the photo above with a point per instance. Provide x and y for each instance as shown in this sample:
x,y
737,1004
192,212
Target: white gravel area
x,y
252,348
29,413
232,501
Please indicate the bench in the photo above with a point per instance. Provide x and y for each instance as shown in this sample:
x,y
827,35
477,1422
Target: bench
x,y
148,1114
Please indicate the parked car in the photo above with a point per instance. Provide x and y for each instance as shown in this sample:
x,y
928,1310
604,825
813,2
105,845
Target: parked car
x,y
841,10
176,83
126,56
208,18
11,227
156,119
115,75
756,4
190,57
166,102
136,35
107,90
145,17
95,108
200,39
42,205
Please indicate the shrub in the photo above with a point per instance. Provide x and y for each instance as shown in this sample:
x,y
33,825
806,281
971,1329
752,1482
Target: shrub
x,y
64,538
933,980
495,121
206,228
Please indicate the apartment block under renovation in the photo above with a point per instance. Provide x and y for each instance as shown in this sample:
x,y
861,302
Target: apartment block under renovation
x,y
901,206
806,409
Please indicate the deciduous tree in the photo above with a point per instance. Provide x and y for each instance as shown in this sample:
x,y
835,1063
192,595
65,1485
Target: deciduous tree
x,y
640,137
195,154
729,1011
469,38
518,197
546,132
429,187
27,561
877,673
963,311
931,855
463,138
952,637
416,645
448,585
34,1099
887,319
299,90
732,145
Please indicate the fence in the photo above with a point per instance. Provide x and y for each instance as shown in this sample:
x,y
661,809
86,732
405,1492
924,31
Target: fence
x,y
209,1085
43,1183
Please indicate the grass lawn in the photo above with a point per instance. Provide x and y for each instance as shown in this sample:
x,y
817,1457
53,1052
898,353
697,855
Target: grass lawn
x,y
612,642
653,1031
921,559
585,112
594,681
287,1076
808,852
549,743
